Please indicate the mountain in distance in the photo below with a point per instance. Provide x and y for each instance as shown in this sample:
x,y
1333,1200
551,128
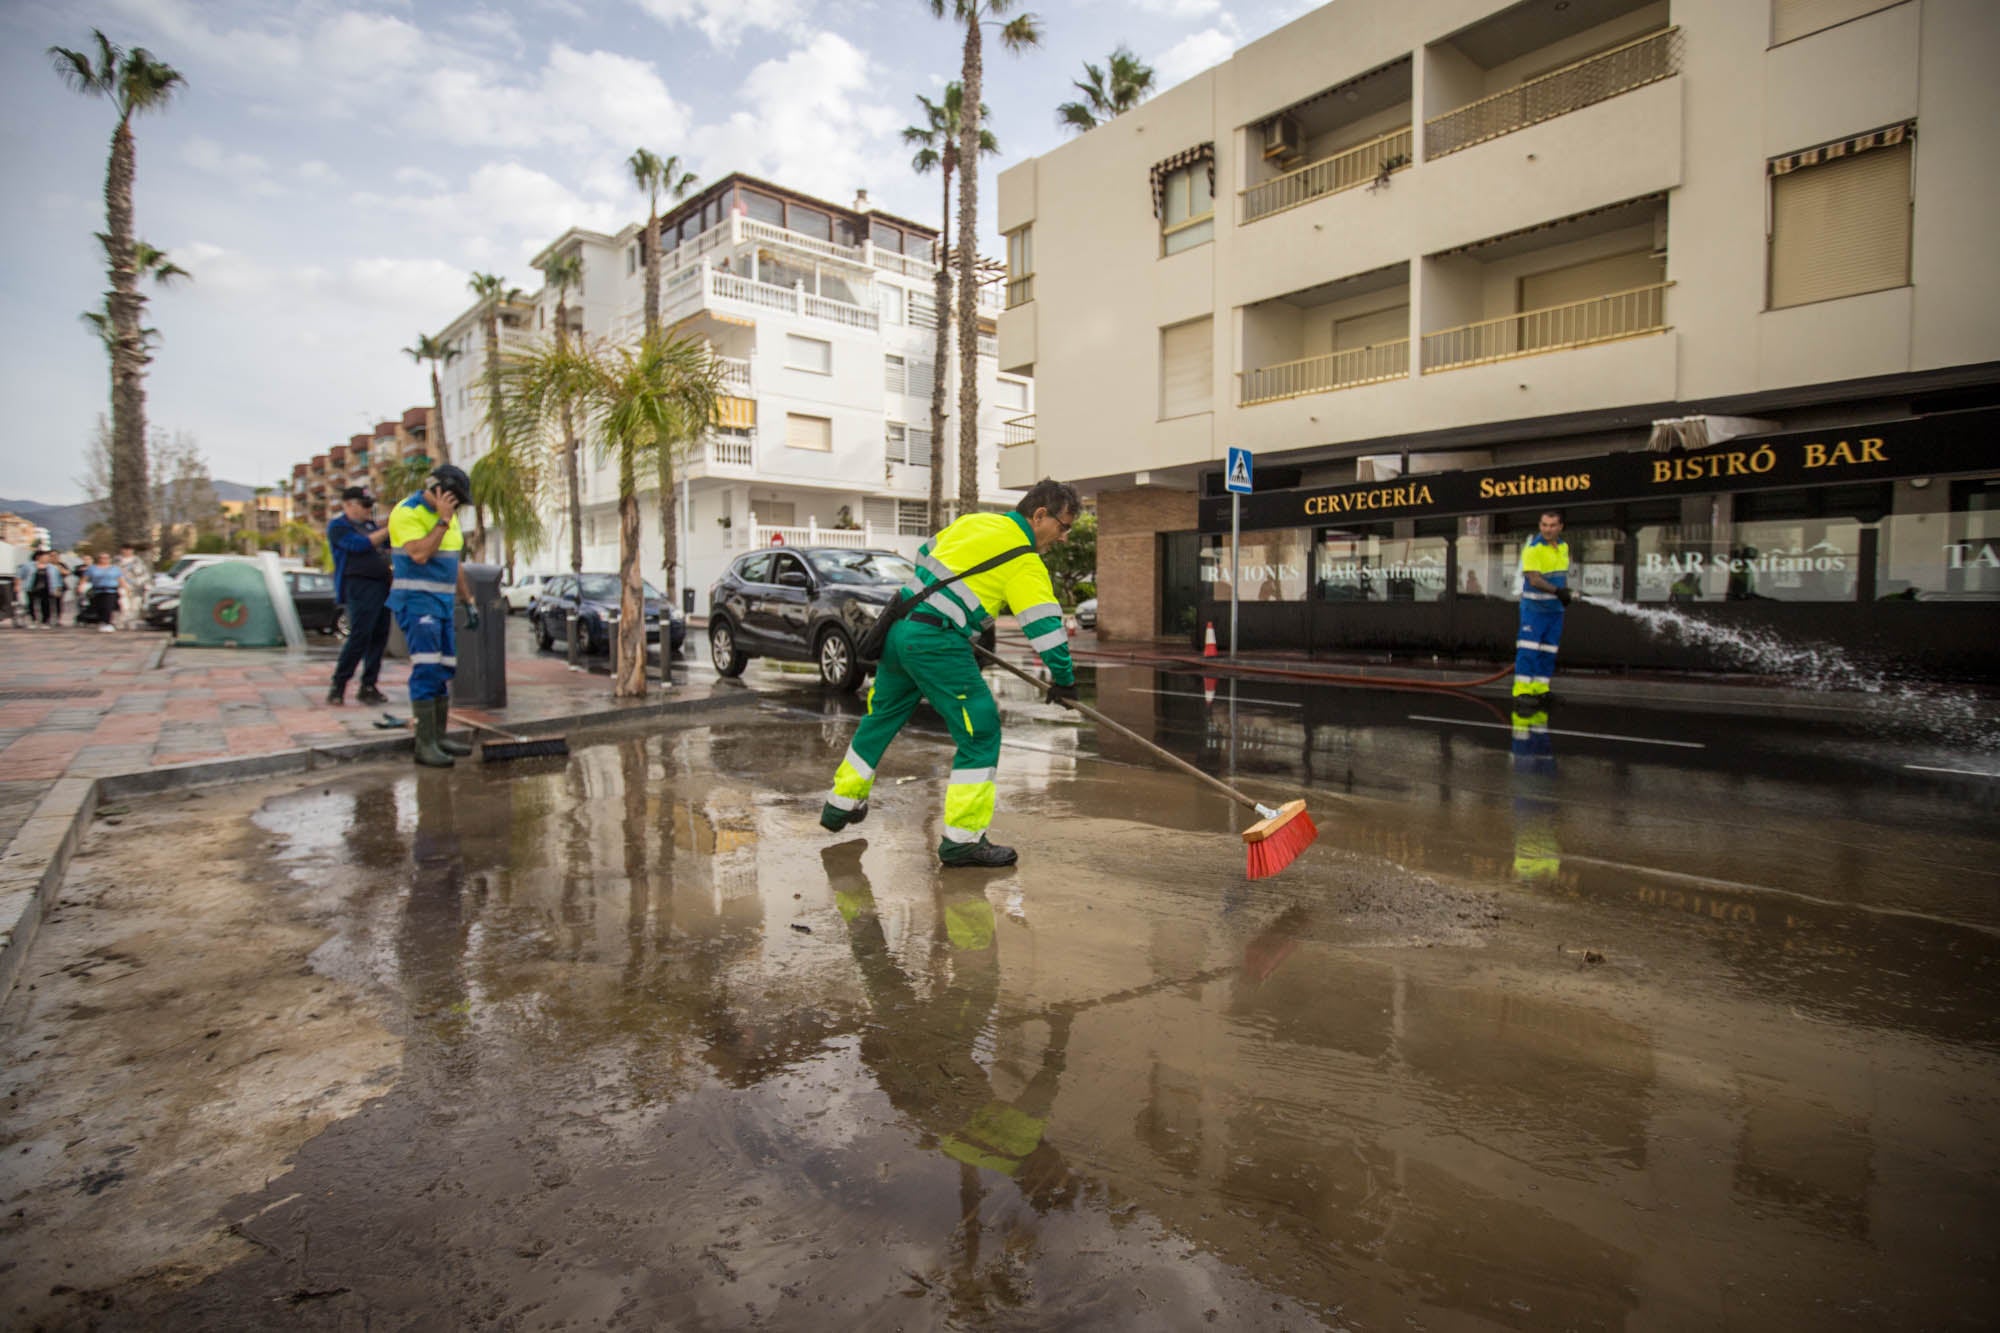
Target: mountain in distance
x,y
67,523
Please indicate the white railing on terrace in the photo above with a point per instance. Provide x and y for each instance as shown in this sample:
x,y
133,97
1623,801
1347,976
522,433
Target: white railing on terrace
x,y
730,451
1330,175
1600,319
735,372
910,266
811,534
1597,79
798,240
1018,430
1323,374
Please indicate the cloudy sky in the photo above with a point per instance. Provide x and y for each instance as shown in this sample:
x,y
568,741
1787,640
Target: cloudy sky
x,y
330,174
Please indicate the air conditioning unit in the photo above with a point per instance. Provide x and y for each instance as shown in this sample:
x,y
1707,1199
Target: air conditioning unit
x,y
1284,139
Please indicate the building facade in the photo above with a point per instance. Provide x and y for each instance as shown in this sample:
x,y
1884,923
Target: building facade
x,y
824,319
1710,275
365,460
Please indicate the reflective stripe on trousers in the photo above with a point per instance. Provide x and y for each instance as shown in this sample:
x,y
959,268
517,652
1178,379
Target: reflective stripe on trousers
x,y
1535,645
433,648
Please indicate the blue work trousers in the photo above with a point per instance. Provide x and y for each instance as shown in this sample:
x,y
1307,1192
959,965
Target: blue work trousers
x,y
427,628
1535,645
367,632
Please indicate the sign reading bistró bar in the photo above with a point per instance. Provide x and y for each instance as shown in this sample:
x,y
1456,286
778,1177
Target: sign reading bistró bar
x,y
1941,445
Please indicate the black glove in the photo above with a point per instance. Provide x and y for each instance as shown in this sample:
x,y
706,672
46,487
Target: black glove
x,y
1062,694
471,616
1563,595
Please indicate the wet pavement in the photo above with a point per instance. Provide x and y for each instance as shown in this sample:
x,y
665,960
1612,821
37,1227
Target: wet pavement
x,y
1625,1019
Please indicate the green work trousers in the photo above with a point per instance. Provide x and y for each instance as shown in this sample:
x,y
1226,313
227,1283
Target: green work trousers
x,y
926,662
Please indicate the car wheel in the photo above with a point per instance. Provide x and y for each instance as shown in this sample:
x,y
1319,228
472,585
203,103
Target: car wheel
x,y
722,649
839,668
543,639
339,625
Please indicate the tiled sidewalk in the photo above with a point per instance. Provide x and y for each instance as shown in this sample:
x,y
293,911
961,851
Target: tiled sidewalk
x,y
83,714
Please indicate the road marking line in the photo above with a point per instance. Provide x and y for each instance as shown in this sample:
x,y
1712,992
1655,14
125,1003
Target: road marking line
x,y
1192,694
1553,731
1967,772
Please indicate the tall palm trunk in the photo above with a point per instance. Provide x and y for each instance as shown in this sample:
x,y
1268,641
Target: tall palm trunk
x,y
670,565
571,475
653,270
443,455
131,519
968,289
629,674
941,357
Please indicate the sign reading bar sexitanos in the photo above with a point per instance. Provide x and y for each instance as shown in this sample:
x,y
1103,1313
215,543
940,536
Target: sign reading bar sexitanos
x,y
1939,445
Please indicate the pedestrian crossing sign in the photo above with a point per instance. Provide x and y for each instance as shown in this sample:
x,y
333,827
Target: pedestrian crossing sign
x,y
1237,478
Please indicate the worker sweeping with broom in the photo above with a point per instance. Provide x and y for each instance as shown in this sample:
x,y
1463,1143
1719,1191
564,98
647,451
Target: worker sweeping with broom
x,y
978,566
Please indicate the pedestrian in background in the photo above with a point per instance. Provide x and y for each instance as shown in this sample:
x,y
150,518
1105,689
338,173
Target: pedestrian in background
x,y
425,577
361,577
105,579
138,581
45,591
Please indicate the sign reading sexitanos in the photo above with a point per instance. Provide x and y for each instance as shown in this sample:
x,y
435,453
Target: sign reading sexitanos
x,y
1939,445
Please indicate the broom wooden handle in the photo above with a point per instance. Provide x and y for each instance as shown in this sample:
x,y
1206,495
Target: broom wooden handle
x,y
1127,732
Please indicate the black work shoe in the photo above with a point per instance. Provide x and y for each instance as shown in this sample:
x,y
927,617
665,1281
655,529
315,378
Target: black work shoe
x,y
368,694
337,695
981,855
833,819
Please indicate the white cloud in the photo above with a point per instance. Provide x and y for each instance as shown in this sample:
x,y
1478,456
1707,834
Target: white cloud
x,y
1181,11
506,212
419,178
724,22
1197,52
365,48
620,98
316,172
211,157
811,120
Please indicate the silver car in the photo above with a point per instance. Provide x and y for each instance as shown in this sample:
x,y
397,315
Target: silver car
x,y
1086,613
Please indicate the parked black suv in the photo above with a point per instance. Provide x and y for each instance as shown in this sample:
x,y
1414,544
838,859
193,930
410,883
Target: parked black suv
x,y
549,613
802,604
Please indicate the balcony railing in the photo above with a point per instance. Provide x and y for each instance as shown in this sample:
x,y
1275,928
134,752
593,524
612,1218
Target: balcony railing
x,y
735,372
1600,319
1019,430
1020,290
811,534
1323,374
700,286
798,240
910,266
732,451
1330,175
1619,70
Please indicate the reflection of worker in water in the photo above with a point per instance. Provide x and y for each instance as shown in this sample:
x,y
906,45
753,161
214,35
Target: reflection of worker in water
x,y
1537,853
920,1046
1544,596
431,944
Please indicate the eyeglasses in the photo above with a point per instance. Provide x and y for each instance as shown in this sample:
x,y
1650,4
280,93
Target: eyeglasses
x,y
1065,527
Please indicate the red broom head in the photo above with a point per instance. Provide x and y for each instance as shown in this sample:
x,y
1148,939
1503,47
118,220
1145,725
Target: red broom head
x,y
1276,842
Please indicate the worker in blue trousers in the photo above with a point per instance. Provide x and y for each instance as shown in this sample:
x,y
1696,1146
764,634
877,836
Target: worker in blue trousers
x,y
1544,596
424,578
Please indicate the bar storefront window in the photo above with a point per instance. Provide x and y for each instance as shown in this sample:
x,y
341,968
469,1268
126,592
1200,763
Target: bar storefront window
x,y
1274,568
1489,552
1942,544
1368,563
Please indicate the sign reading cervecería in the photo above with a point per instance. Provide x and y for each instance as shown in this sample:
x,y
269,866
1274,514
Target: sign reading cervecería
x,y
1940,445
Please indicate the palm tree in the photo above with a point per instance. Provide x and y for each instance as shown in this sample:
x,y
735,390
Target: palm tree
x,y
508,482
134,82
656,175
492,290
1016,34
634,401
438,352
936,142
564,272
1130,83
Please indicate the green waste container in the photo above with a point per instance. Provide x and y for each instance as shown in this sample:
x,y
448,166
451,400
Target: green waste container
x,y
227,605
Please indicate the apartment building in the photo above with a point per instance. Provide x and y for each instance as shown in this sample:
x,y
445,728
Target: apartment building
x,y
362,461
1714,276
824,318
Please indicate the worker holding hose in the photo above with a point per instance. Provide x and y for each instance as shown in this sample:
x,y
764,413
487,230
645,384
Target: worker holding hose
x,y
1544,596
977,567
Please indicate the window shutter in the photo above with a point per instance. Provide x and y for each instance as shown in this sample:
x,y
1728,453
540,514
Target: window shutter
x,y
913,518
1187,368
895,442
1592,278
1378,326
918,447
879,512
802,432
893,377
814,354
1796,18
923,374
923,311
1842,227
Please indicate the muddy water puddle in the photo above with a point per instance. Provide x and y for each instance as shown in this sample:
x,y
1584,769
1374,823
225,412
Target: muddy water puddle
x,y
652,1050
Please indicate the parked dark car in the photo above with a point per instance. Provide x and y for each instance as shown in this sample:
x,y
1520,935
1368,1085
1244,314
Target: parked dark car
x,y
550,613
312,598
802,604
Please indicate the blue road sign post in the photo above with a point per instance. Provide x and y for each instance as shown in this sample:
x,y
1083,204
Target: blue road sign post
x,y
1236,477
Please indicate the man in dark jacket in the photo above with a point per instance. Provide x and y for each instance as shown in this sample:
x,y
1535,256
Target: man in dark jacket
x,y
361,584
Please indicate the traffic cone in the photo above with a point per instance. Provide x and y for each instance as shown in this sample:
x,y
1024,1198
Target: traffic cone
x,y
1208,684
1208,648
